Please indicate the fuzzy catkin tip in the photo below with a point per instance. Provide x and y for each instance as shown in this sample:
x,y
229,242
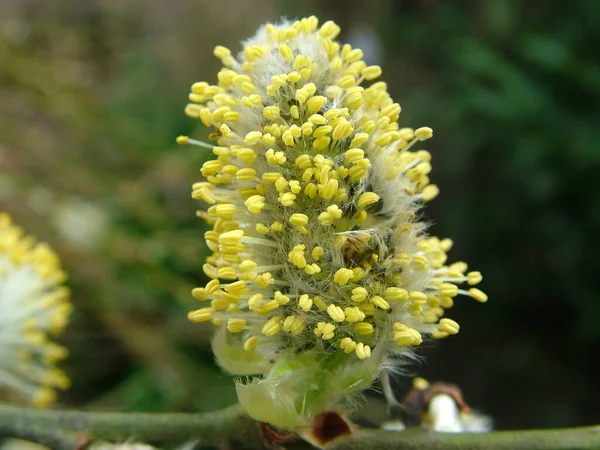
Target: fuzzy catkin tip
x,y
320,270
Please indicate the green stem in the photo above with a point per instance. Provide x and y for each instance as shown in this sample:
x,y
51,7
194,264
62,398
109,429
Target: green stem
x,y
68,430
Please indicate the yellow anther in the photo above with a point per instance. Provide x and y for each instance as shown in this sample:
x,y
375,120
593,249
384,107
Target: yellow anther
x,y
407,337
280,298
418,297
371,72
399,326
201,315
254,51
342,276
271,177
384,139
231,238
362,351
420,383
328,217
303,161
286,52
449,326
329,190
267,307
364,328
322,142
346,81
408,134
274,157
244,266
474,278
246,155
232,116
281,184
315,103
354,314
366,199
237,287
395,294
272,326
219,304
348,345
448,290
354,155
255,204
342,130
392,112
264,280
359,294
271,112
325,330
446,302
322,131
368,126
229,169
212,287
203,191
252,138
295,187
227,273
329,30
478,295
299,62
312,269
210,271
294,325
296,256
319,302
298,219
301,95
236,325
359,139
277,226
182,140
199,87
336,313
423,133
250,343
430,192
420,262
307,128
358,274
439,334
287,138
200,293
317,119
224,54
245,174
317,253
287,199
305,302
379,302
293,77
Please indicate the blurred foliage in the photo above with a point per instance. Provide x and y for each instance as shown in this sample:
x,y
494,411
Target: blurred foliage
x,y
92,97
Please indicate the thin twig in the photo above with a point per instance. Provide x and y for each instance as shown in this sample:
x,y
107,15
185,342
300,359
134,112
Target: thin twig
x,y
67,430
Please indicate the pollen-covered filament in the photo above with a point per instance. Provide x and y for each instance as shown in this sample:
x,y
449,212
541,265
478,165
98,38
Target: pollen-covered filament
x,y
313,195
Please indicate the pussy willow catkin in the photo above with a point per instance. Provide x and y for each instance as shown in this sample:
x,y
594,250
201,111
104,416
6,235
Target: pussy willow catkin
x,y
33,307
320,270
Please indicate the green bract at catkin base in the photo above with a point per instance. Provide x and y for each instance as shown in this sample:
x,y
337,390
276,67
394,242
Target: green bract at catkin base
x,y
320,271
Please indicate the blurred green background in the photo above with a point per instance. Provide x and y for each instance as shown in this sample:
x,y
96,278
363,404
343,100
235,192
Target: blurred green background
x,y
91,99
